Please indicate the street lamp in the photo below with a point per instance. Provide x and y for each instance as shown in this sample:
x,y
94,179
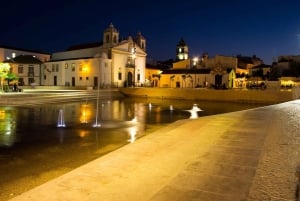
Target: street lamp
x,y
195,62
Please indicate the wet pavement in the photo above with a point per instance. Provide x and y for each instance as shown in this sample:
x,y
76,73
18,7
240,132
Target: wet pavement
x,y
246,155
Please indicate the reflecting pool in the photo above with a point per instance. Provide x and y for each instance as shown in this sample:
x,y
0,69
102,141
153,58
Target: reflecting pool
x,y
38,143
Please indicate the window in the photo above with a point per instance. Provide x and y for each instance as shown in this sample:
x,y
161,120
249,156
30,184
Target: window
x,y
30,80
107,38
120,76
20,69
30,71
115,39
80,78
138,77
45,77
66,65
87,78
56,68
80,67
53,67
73,67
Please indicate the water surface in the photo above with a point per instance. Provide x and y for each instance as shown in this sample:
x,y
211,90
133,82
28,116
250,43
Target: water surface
x,y
33,149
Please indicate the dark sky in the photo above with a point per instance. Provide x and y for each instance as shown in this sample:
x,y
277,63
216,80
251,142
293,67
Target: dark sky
x,y
226,27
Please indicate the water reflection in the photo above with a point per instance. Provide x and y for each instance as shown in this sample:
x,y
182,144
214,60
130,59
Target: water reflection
x,y
7,126
37,124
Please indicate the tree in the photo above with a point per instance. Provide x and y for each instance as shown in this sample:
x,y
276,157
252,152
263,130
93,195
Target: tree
x,y
11,77
4,70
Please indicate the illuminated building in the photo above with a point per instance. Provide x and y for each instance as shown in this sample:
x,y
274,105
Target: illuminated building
x,y
27,68
182,50
110,63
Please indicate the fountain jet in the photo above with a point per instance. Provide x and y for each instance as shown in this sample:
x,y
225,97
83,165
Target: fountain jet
x,y
61,119
194,111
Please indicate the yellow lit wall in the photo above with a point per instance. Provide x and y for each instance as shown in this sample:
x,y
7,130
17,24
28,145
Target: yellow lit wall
x,y
182,64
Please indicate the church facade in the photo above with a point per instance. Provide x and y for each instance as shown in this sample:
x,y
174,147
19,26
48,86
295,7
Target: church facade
x,y
110,63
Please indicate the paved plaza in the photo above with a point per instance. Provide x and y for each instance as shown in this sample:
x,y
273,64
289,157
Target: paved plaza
x,y
247,155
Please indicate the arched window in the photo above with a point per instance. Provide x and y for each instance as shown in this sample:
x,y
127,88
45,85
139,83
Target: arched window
x,y
107,38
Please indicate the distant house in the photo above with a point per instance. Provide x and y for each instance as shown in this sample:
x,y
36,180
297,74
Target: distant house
x,y
152,75
217,72
262,71
186,78
27,68
286,66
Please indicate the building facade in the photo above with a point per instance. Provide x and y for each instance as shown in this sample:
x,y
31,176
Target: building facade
x,y
216,72
111,63
27,68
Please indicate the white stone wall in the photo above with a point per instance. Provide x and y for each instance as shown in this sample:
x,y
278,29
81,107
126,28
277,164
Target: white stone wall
x,y
84,68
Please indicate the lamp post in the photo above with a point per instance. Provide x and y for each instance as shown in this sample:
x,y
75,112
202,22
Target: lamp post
x,y
195,62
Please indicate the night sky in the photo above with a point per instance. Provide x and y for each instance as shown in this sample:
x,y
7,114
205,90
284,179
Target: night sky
x,y
266,29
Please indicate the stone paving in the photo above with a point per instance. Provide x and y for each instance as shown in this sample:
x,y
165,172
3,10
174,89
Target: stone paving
x,y
247,155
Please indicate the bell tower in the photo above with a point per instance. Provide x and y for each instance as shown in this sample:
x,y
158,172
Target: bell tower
x,y
182,50
140,41
110,37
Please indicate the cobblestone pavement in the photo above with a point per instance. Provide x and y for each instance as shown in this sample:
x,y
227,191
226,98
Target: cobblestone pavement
x,y
248,155
276,175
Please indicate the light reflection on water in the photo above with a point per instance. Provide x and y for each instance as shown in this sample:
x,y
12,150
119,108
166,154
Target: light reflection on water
x,y
38,124
32,144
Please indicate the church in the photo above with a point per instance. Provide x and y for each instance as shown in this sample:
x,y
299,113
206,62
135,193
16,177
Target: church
x,y
110,63
199,72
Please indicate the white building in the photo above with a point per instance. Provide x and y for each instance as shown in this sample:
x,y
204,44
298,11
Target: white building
x,y
110,63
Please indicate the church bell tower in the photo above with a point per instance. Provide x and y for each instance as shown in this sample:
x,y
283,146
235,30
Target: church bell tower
x,y
110,37
182,50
